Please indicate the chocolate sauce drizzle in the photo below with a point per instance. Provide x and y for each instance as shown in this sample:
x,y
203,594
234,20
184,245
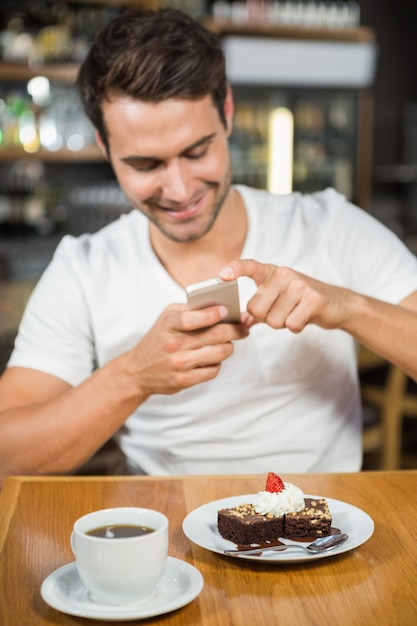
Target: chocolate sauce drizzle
x,y
276,542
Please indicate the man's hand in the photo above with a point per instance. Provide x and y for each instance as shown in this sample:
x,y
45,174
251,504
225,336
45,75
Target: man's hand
x,y
183,348
287,299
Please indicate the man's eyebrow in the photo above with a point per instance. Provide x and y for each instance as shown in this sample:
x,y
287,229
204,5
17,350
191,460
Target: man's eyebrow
x,y
140,158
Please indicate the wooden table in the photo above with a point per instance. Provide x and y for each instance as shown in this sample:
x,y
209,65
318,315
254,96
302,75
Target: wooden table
x,y
373,584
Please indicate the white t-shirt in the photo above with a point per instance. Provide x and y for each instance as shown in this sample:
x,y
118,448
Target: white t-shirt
x,y
282,402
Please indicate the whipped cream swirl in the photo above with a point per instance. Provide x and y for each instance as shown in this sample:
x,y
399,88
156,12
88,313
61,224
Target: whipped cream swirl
x,y
289,500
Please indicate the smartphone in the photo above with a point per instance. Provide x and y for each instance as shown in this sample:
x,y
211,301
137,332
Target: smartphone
x,y
215,291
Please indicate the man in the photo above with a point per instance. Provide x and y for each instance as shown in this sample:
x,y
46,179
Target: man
x,y
108,347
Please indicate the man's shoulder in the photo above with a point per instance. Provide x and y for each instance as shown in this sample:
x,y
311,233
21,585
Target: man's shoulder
x,y
113,240
313,204
126,225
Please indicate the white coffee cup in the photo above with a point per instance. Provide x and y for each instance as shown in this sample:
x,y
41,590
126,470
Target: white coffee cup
x,y
121,570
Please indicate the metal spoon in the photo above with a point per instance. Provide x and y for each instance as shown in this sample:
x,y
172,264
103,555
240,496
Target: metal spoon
x,y
323,544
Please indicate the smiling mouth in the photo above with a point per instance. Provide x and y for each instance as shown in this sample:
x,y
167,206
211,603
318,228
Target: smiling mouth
x,y
183,212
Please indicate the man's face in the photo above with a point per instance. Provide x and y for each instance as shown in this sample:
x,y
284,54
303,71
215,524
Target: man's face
x,y
171,160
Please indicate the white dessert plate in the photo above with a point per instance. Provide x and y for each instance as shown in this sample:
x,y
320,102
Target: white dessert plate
x,y
64,591
200,526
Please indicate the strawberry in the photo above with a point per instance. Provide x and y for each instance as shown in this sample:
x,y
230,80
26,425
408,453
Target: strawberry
x,y
274,483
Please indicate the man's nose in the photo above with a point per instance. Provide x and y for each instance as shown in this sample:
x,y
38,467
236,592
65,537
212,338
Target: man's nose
x,y
176,182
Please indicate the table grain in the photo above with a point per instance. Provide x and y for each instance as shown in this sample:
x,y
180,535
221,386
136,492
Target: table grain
x,y
374,584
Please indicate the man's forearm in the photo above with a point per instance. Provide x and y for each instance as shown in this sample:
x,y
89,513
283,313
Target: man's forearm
x,y
58,435
386,329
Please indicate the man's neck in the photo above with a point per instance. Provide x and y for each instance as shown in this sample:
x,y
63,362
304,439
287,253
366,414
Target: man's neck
x,y
191,262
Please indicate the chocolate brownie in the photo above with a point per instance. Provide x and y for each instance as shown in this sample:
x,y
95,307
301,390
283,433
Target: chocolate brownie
x,y
314,520
244,526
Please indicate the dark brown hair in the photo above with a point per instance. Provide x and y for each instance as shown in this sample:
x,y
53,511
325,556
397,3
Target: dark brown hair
x,y
152,56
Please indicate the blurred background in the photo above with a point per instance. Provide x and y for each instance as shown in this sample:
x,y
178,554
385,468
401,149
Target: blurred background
x,y
326,95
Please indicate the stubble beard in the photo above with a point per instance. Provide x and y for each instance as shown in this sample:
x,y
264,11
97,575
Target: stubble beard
x,y
222,190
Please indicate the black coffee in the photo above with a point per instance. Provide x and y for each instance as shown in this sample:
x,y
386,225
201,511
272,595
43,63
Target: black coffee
x,y
120,531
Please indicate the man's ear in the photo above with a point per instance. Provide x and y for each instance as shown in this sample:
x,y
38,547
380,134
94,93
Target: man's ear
x,y
101,145
229,110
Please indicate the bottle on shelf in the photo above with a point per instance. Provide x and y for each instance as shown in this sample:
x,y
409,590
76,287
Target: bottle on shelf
x,y
311,13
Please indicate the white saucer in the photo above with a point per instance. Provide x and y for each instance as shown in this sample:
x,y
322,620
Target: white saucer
x,y
64,591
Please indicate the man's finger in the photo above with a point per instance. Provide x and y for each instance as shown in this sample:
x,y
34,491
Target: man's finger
x,y
246,267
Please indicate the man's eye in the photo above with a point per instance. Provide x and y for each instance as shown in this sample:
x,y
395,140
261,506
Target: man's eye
x,y
146,166
197,153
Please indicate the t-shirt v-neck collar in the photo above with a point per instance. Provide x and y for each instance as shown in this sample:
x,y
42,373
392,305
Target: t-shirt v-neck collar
x,y
150,259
